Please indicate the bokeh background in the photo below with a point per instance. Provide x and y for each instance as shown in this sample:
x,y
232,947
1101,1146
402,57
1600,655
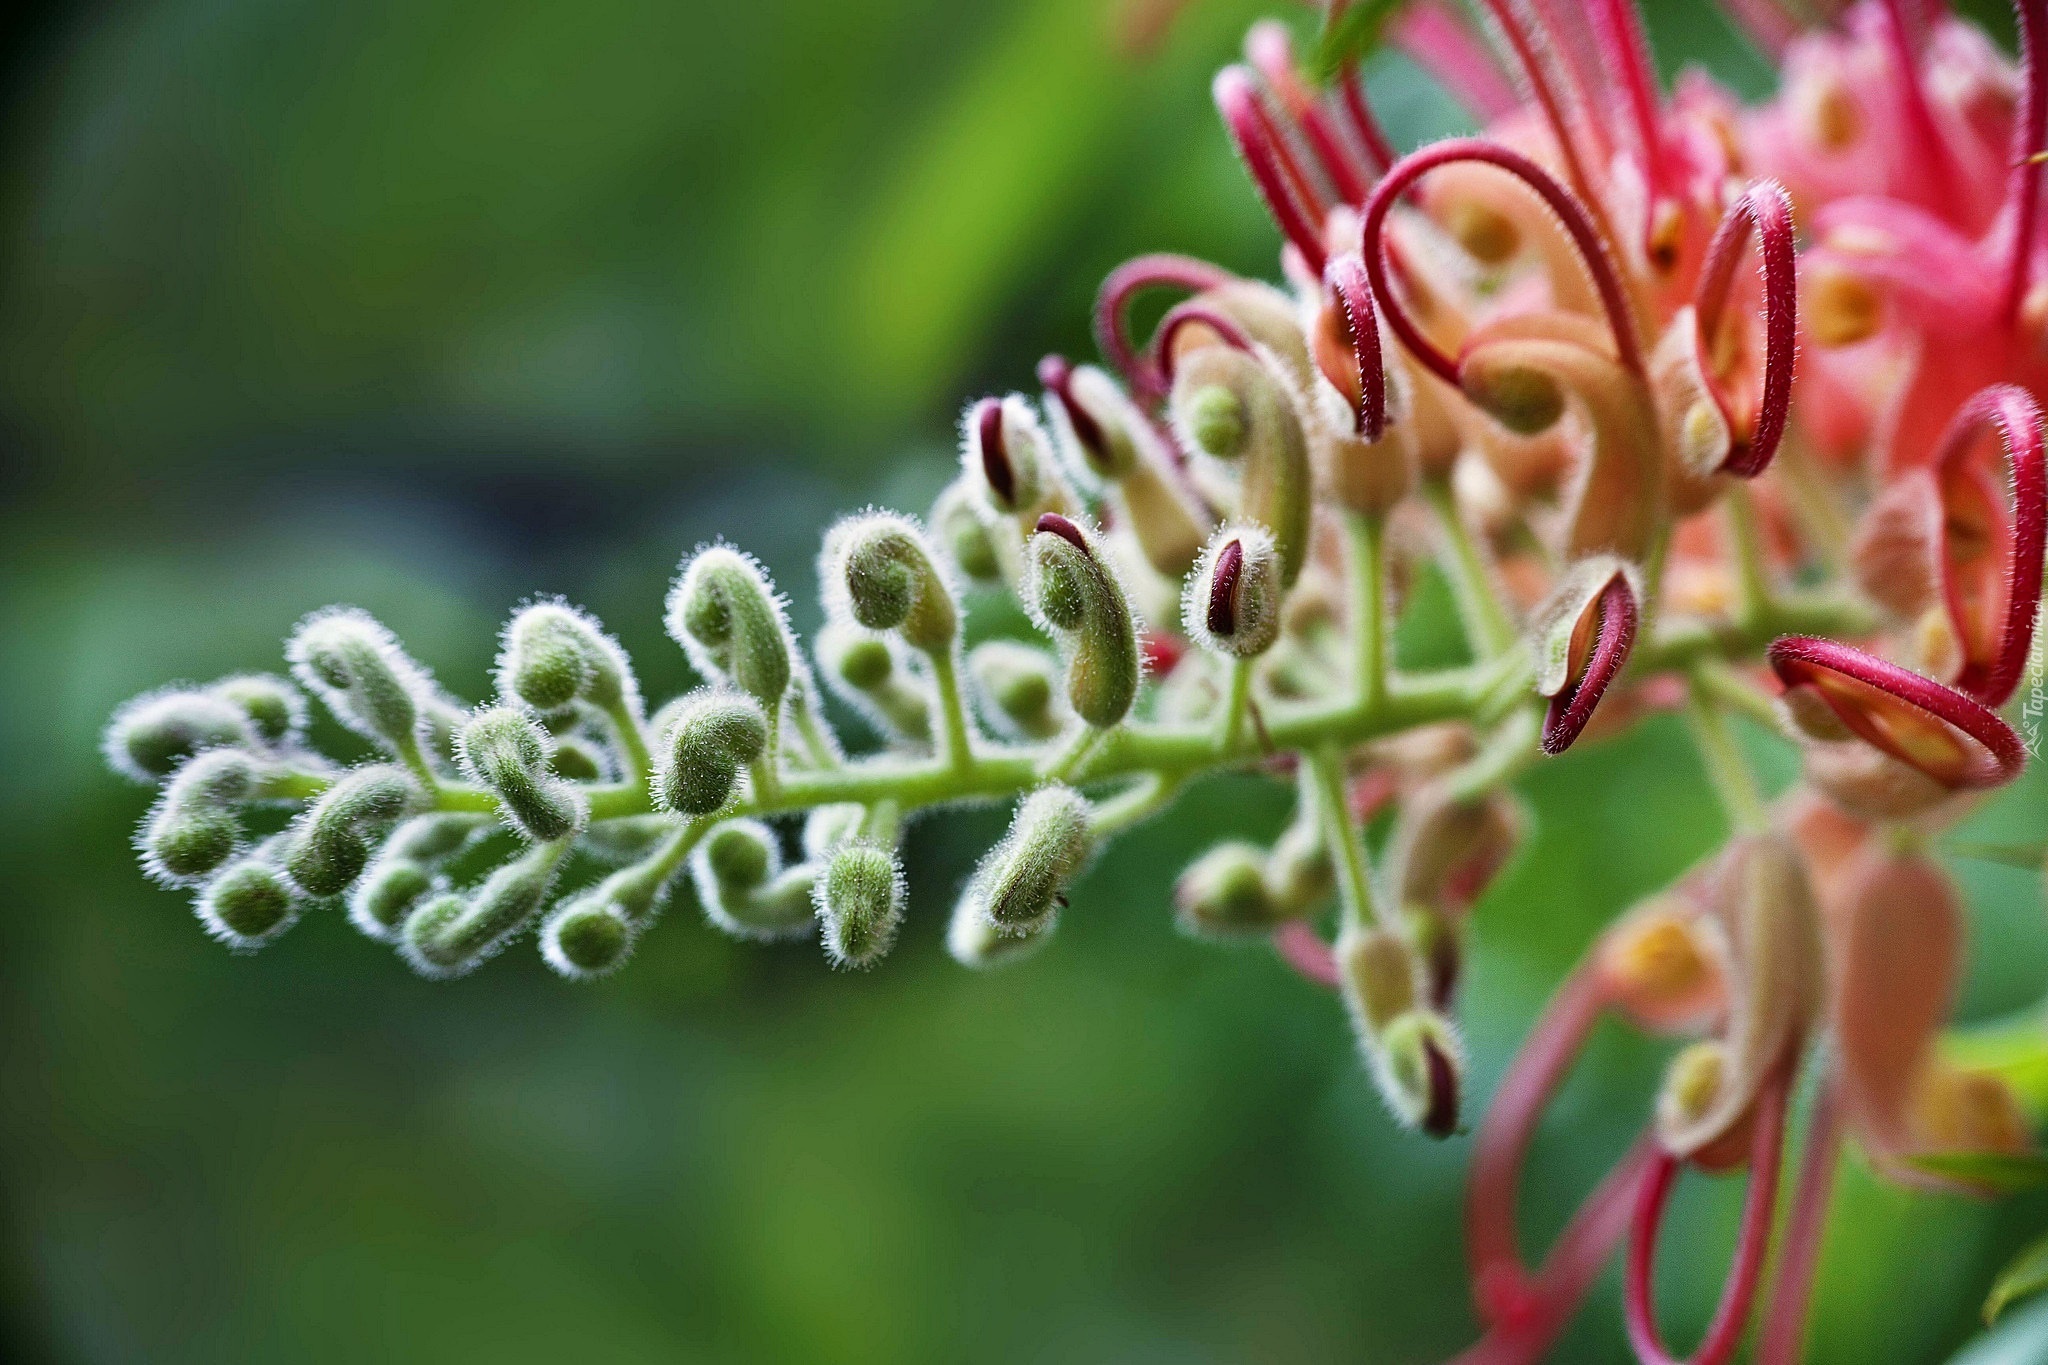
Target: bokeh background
x,y
426,305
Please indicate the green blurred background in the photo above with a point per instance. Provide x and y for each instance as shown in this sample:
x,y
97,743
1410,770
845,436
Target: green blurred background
x,y
428,304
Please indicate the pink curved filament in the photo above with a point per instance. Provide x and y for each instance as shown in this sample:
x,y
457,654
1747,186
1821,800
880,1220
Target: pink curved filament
x,y
1724,1333
2029,131
1270,49
1783,1333
1290,197
1529,57
1931,151
2017,418
1764,209
1192,313
1347,279
1112,325
1364,125
1797,658
1615,636
1592,249
1766,23
1619,31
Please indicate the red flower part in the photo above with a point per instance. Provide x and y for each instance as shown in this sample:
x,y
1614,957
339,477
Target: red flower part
x,y
1360,375
1592,249
1310,957
1766,23
1605,650
1724,1333
1929,149
1058,378
1618,30
1270,49
2029,131
1161,270
987,421
1440,1119
1052,523
1991,560
1783,1333
1528,49
1757,420
1953,738
1364,126
1437,38
1290,197
1163,651
1222,615
1191,313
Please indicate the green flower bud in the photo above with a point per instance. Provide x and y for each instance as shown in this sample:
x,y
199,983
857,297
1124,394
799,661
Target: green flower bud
x,y
1022,882
1446,852
1380,976
1017,687
1075,597
743,886
878,571
1419,1067
554,655
1232,603
330,845
1239,407
726,615
964,536
974,940
275,708
859,901
355,666
1298,871
574,761
194,827
1223,892
713,736
454,933
248,904
587,938
866,673
506,751
150,735
1008,462
389,891
826,827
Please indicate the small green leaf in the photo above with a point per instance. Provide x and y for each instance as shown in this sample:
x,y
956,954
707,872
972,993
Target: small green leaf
x,y
1349,35
1996,1172
2023,1277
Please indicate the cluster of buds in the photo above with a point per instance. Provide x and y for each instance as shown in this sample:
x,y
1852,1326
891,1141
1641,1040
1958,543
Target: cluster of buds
x,y
1553,363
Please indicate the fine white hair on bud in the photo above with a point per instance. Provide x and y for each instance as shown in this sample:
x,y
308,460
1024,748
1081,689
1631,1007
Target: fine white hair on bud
x,y
1018,689
1007,460
504,750
859,901
407,869
456,932
1418,1065
1022,882
1074,595
826,827
588,937
330,845
553,655
250,902
878,571
195,825
150,735
743,886
355,666
963,536
276,709
727,616
1232,602
869,673
714,734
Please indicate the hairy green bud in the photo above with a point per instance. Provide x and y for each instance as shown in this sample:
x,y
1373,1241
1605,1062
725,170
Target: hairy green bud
x,y
248,904
1007,461
1223,892
878,571
572,760
455,932
964,536
1022,882
1240,409
1018,688
1075,596
554,655
195,827
1418,1064
867,674
714,734
826,827
974,940
1215,421
275,708
1232,602
1380,977
743,886
859,901
625,840
1298,871
330,844
506,751
150,735
355,666
588,937
727,617
389,891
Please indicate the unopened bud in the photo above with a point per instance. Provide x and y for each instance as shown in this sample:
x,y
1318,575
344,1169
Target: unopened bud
x,y
505,750
1439,940
859,902
1658,968
1232,604
826,827
1298,871
1017,686
1007,459
1380,975
152,734
454,933
587,938
1449,850
195,826
406,870
1236,406
1213,420
743,886
866,672
974,940
1419,1064
1223,892
331,843
1022,882
575,761
275,708
248,904
714,735
1076,597
554,656
878,570
964,536
725,614
355,666
1584,634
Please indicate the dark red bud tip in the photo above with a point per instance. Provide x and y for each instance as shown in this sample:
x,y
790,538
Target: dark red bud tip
x,y
1363,380
1052,523
1614,636
1223,590
1058,378
1440,1119
995,457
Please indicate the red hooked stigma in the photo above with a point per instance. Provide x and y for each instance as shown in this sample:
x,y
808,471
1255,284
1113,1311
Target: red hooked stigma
x,y
1112,326
1991,560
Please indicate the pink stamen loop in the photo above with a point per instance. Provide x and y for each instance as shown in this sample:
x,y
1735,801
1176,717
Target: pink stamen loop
x,y
1765,210
1592,248
1290,197
1112,325
2012,412
1270,49
1189,314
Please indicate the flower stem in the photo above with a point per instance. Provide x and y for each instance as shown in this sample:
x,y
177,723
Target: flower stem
x,y
956,746
1479,607
1347,851
1726,767
1369,606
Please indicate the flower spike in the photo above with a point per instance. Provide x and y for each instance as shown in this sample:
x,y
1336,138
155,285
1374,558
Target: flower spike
x,y
1603,636
1979,579
1764,209
1950,737
1360,375
1161,270
1290,197
1570,211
